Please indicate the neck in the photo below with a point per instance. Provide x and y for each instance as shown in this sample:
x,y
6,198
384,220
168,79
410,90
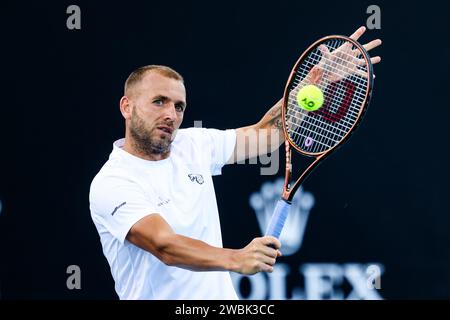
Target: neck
x,y
131,147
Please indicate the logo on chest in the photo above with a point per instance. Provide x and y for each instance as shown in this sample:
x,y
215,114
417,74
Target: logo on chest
x,y
196,178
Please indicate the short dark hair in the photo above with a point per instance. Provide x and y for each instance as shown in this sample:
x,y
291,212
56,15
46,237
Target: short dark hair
x,y
137,75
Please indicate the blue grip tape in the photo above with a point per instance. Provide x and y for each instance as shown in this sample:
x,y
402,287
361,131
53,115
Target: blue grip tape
x,y
278,218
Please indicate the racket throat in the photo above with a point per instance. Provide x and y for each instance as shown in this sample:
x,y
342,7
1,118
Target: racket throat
x,y
290,189
286,196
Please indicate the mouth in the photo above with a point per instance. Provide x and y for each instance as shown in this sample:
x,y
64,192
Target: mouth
x,y
165,129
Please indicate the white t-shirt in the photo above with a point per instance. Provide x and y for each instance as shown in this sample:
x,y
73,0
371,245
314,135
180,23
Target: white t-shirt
x,y
180,189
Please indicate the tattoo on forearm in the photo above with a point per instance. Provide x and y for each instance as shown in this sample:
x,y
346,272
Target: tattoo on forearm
x,y
276,110
277,124
272,119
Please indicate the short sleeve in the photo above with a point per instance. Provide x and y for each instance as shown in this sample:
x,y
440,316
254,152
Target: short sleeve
x,y
221,145
117,203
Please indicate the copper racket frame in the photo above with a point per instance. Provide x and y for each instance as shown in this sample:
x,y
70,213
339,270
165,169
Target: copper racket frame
x,y
288,190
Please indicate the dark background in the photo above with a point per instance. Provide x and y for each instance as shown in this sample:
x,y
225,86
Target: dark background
x,y
382,197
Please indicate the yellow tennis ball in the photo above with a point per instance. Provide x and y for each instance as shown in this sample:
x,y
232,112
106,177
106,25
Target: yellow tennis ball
x,y
310,98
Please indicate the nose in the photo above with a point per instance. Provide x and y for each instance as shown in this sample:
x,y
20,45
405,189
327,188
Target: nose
x,y
170,112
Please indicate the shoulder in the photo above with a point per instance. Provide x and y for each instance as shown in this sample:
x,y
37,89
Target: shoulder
x,y
188,139
189,133
203,135
111,177
111,188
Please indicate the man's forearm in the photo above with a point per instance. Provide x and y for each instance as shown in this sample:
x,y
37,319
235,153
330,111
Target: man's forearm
x,y
261,138
272,124
153,234
196,255
272,118
184,252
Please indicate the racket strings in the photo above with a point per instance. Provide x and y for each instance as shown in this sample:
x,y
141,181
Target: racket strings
x,y
307,125
353,112
304,72
339,92
312,61
344,125
297,117
333,67
324,137
344,84
339,129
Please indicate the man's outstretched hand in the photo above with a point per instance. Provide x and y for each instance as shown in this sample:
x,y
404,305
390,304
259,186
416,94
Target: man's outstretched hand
x,y
344,56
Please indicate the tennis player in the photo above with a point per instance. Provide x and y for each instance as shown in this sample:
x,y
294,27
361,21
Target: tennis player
x,y
153,202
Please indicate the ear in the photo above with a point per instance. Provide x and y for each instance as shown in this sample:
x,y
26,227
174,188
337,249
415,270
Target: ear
x,y
125,107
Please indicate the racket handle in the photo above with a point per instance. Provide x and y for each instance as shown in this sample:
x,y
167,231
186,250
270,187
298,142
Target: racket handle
x,y
278,218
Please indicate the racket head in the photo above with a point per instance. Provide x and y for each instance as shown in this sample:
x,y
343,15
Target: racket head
x,y
346,98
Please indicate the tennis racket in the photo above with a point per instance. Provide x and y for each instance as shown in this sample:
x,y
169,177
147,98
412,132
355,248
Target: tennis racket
x,y
342,69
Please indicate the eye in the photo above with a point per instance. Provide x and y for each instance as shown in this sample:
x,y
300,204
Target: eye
x,y
179,107
158,102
